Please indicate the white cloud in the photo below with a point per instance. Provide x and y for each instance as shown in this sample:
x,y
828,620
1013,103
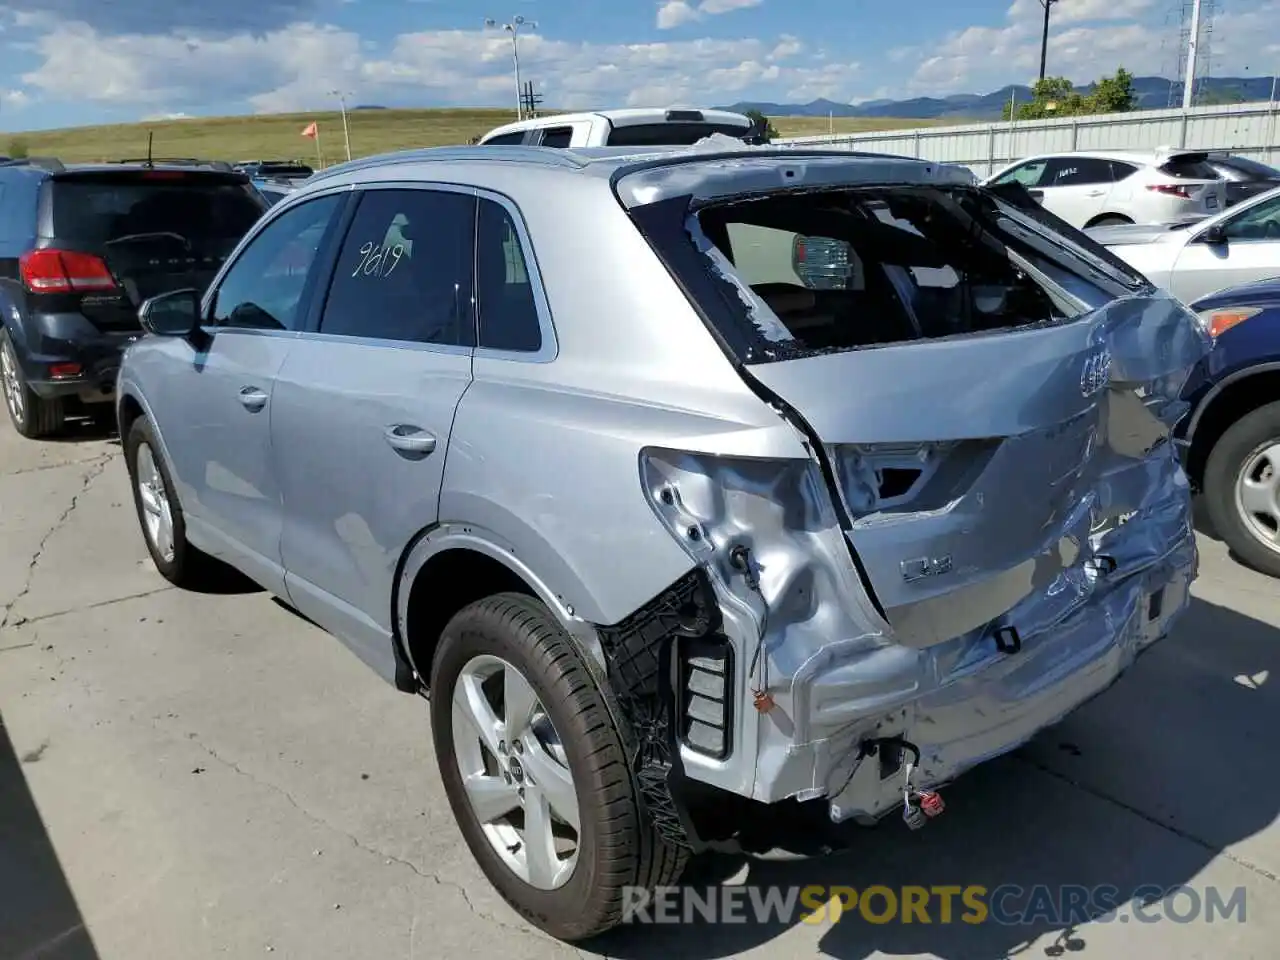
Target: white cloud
x,y
675,13
292,68
14,99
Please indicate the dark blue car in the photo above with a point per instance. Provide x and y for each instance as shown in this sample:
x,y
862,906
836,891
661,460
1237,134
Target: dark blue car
x,y
1230,438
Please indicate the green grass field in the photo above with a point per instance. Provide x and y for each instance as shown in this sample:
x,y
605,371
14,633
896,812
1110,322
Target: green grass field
x,y
279,135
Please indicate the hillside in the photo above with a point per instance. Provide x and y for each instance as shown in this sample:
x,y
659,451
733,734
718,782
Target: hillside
x,y
1152,93
373,130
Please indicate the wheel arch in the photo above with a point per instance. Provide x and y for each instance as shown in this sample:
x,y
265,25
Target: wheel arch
x,y
1118,217
1224,404
449,566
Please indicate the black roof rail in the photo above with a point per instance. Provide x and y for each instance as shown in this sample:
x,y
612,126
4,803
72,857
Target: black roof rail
x,y
180,162
52,164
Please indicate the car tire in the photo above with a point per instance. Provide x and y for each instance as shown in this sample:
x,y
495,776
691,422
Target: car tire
x,y
1248,449
153,498
616,846
32,415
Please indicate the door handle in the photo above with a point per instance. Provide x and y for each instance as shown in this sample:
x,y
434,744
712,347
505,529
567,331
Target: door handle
x,y
406,438
252,399
1096,193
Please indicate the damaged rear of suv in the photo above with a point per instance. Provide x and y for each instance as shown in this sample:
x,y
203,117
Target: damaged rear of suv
x,y
743,490
990,523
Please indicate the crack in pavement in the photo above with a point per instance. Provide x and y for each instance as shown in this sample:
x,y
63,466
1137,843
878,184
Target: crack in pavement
x,y
366,848
40,618
96,469
1099,794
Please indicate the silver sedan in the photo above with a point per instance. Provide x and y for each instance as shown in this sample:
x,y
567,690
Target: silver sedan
x,y
1195,257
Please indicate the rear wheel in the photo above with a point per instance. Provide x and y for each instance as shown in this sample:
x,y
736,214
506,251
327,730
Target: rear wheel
x,y
160,515
1242,488
536,773
32,415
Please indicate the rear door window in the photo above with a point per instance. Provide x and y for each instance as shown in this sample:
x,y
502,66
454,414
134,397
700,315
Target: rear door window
x,y
405,269
1076,172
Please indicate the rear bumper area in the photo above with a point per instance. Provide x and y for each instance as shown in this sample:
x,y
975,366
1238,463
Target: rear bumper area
x,y
83,366
967,700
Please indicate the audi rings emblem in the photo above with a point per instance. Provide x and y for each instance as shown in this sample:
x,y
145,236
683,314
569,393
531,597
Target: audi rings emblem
x,y
1096,373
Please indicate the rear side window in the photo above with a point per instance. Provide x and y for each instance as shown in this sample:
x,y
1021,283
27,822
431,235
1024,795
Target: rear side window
x,y
404,272
92,211
1121,170
1192,167
560,137
504,291
670,134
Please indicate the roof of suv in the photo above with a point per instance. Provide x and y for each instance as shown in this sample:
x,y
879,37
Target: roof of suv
x,y
611,163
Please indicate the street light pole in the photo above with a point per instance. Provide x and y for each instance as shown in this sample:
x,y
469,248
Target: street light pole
x,y
342,103
513,28
1044,37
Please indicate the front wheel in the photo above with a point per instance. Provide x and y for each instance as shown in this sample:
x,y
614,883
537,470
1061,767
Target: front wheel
x,y
160,515
536,773
1242,488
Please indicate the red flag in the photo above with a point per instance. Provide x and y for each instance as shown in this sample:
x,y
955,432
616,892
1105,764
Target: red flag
x,y
311,130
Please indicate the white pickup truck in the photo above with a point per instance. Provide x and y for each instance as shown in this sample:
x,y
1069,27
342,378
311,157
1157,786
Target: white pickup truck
x,y
631,128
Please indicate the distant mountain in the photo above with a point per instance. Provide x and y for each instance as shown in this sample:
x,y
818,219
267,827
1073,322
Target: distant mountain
x,y
1151,93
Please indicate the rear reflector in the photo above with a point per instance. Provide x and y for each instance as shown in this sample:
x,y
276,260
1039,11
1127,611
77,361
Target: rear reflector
x,y
64,271
61,371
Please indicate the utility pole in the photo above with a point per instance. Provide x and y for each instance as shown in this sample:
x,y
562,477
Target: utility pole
x,y
513,28
342,103
1044,37
1193,43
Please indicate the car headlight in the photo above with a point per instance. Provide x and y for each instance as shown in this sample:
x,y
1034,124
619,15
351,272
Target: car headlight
x,y
1219,321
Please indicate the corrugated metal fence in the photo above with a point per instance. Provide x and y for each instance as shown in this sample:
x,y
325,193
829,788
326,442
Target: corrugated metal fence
x,y
1248,129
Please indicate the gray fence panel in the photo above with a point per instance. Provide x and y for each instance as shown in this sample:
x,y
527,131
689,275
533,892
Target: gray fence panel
x,y
1249,129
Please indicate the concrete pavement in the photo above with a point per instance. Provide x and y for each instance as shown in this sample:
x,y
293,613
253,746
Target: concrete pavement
x,y
190,776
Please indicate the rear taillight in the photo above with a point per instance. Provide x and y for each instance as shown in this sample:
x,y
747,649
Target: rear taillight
x,y
64,271
1171,189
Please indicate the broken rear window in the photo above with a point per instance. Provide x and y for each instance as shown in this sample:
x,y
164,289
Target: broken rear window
x,y
796,273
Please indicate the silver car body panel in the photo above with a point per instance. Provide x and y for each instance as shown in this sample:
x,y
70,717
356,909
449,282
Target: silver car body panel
x,y
640,451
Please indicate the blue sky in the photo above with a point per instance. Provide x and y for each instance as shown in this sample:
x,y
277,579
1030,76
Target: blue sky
x,y
85,61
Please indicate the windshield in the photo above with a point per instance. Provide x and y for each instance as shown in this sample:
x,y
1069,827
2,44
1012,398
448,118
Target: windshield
x,y
93,211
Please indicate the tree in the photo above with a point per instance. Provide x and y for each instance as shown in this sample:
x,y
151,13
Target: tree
x,y
1113,94
1055,97
760,120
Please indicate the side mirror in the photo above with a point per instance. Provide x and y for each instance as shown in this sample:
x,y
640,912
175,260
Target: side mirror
x,y
1213,235
172,314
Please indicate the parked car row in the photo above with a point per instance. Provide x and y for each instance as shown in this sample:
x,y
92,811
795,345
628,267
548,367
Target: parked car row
x,y
667,582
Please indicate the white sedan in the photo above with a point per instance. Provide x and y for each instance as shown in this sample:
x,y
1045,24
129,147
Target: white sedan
x,y
1192,258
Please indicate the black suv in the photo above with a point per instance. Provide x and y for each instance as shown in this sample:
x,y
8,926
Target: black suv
x,y
81,247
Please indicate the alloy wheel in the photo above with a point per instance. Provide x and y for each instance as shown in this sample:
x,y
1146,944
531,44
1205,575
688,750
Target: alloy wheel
x,y
12,381
157,514
515,773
